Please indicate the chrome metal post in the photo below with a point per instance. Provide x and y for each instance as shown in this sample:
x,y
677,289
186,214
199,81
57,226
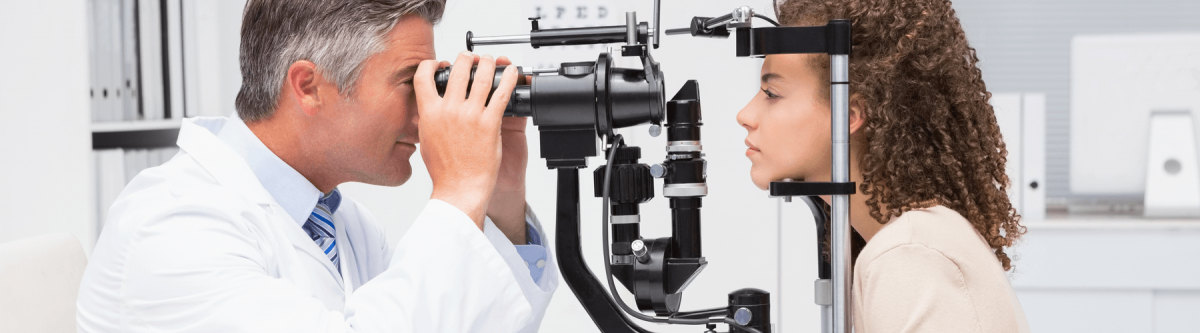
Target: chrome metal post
x,y
823,297
826,319
500,40
655,31
631,28
840,207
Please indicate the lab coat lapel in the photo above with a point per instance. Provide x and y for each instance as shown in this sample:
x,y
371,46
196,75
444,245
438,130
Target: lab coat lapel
x,y
197,137
345,256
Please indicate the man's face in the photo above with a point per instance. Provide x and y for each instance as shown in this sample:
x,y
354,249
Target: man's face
x,y
376,127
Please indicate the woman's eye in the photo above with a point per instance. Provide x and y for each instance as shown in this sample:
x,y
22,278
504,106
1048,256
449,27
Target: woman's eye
x,y
770,95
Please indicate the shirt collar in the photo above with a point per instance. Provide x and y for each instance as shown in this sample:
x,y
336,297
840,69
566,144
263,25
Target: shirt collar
x,y
287,186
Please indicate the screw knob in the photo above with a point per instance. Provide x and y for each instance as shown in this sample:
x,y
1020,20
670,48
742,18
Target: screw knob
x,y
657,171
639,251
655,130
742,316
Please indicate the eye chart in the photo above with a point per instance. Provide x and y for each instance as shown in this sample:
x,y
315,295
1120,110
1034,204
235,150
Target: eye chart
x,y
558,14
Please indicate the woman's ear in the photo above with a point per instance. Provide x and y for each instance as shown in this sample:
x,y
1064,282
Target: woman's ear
x,y
858,113
304,82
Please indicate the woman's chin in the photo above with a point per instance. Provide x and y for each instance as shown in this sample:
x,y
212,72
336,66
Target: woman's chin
x,y
759,181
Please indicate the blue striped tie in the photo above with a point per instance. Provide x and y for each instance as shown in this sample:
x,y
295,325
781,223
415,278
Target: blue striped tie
x,y
320,225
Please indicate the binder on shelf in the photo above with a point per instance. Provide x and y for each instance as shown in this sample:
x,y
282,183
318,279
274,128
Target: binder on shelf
x,y
1007,108
202,71
130,99
174,99
130,165
153,157
150,52
1033,160
143,159
110,180
115,63
191,60
102,66
93,97
1022,121
169,153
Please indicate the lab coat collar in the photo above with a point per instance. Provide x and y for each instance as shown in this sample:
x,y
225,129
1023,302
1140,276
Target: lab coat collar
x,y
288,187
198,138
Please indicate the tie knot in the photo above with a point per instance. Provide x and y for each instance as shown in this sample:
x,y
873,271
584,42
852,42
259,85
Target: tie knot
x,y
331,200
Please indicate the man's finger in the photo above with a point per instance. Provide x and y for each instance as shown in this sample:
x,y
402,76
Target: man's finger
x,y
484,73
423,80
504,91
456,88
503,61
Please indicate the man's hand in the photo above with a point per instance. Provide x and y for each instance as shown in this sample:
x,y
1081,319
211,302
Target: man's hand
x,y
460,136
507,207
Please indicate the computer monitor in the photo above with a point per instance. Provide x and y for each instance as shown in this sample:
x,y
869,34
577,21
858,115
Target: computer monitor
x,y
1116,82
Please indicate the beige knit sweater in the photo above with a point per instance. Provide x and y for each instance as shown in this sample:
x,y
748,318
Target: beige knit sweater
x,y
930,271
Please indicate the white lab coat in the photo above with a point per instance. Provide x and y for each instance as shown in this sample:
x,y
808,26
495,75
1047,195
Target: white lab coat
x,y
199,245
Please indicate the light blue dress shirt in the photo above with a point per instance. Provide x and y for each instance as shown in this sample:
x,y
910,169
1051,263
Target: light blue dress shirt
x,y
298,196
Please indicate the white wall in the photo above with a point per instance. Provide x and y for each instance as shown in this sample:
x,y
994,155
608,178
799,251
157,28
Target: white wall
x,y
45,158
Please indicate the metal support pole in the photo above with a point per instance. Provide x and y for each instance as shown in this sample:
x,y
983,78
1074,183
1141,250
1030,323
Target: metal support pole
x,y
499,40
823,292
826,319
840,207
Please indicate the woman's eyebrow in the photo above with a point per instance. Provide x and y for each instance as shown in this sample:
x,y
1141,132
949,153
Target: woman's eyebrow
x,y
770,76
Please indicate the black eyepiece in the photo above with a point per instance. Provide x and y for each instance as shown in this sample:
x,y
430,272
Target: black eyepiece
x,y
518,104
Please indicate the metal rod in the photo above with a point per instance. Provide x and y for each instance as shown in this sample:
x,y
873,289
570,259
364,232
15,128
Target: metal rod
x,y
840,103
718,21
631,28
655,31
547,70
679,31
826,319
500,40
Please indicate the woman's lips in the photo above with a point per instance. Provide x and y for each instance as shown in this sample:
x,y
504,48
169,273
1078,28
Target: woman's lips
x,y
751,148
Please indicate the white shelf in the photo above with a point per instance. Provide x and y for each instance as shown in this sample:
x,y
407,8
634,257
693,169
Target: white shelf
x,y
139,125
1129,224
1111,222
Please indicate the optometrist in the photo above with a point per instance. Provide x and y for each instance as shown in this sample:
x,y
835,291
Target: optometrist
x,y
245,230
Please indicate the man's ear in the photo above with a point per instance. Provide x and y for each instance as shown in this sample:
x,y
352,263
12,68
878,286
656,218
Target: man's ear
x,y
304,83
858,113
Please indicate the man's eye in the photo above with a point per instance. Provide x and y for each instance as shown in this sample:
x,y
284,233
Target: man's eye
x,y
770,95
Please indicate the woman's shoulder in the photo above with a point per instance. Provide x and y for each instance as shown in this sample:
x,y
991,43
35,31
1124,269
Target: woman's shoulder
x,y
937,228
930,266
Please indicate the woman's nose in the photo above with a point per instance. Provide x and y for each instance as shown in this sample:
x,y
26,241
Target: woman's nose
x,y
747,117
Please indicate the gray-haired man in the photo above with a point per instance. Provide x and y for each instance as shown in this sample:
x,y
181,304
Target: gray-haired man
x,y
245,230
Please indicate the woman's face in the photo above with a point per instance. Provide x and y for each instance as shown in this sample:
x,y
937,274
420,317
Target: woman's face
x,y
787,123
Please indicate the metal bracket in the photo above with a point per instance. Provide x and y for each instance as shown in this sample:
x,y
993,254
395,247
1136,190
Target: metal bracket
x,y
786,189
823,292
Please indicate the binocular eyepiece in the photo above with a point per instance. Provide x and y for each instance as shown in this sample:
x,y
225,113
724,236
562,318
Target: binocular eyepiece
x,y
518,103
579,102
577,94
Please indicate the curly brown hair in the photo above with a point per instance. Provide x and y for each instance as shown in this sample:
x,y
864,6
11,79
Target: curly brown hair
x,y
930,135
